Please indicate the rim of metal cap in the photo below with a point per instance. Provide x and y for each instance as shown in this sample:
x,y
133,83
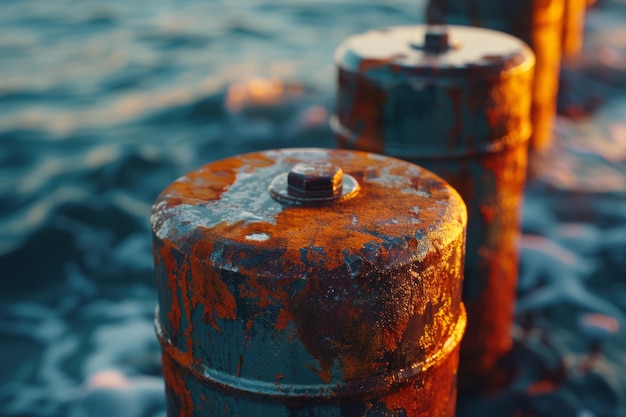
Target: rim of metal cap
x,y
384,54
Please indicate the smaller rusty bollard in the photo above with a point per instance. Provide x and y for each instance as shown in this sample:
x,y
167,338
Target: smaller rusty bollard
x,y
457,102
309,282
540,24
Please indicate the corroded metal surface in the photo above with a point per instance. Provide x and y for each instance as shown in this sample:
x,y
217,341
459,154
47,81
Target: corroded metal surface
x,y
539,23
492,186
352,308
464,114
573,24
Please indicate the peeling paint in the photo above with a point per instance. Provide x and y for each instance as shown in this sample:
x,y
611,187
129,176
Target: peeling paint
x,y
539,23
258,237
469,122
346,302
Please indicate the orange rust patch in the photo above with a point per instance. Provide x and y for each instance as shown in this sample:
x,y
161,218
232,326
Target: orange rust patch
x,y
207,288
282,321
488,335
208,184
175,381
488,212
174,315
370,64
325,374
433,394
367,116
279,376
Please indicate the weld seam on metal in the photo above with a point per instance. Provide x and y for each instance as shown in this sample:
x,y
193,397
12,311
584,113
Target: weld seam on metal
x,y
510,141
361,388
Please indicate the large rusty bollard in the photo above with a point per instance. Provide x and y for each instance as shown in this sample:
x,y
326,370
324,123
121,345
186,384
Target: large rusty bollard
x,y
458,103
539,23
291,287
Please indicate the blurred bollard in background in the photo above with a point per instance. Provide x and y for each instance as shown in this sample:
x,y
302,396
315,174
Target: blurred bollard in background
x,y
539,23
573,24
310,283
456,101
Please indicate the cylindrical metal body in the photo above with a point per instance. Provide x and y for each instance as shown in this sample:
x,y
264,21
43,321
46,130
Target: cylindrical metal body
x,y
539,23
573,25
464,114
271,305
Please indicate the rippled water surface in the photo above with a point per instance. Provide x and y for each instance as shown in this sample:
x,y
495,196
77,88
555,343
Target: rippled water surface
x,y
102,104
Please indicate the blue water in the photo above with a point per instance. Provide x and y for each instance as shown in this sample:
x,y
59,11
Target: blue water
x,y
103,104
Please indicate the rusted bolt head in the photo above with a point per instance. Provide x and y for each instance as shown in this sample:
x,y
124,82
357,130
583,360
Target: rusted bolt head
x,y
315,179
436,39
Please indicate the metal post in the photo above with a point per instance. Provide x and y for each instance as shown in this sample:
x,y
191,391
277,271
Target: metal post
x,y
462,110
309,283
573,25
539,23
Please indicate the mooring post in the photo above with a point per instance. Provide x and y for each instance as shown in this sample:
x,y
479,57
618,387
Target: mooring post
x,y
573,27
456,101
539,23
309,282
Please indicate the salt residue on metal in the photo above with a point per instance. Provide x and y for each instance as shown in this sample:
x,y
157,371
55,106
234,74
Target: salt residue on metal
x,y
357,302
573,25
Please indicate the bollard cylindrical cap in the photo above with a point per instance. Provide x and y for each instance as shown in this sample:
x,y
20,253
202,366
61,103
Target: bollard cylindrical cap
x,y
430,50
355,275
431,91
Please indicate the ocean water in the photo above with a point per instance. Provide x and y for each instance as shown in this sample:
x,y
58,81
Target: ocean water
x,y
103,104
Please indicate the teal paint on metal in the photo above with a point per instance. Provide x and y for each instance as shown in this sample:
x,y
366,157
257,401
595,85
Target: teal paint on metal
x,y
462,111
274,303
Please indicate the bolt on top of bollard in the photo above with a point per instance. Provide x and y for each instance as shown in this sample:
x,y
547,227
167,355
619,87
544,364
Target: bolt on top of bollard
x,y
315,179
313,183
436,40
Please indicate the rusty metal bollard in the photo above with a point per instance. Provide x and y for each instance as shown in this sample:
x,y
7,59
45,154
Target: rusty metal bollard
x,y
573,24
539,23
309,282
457,102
